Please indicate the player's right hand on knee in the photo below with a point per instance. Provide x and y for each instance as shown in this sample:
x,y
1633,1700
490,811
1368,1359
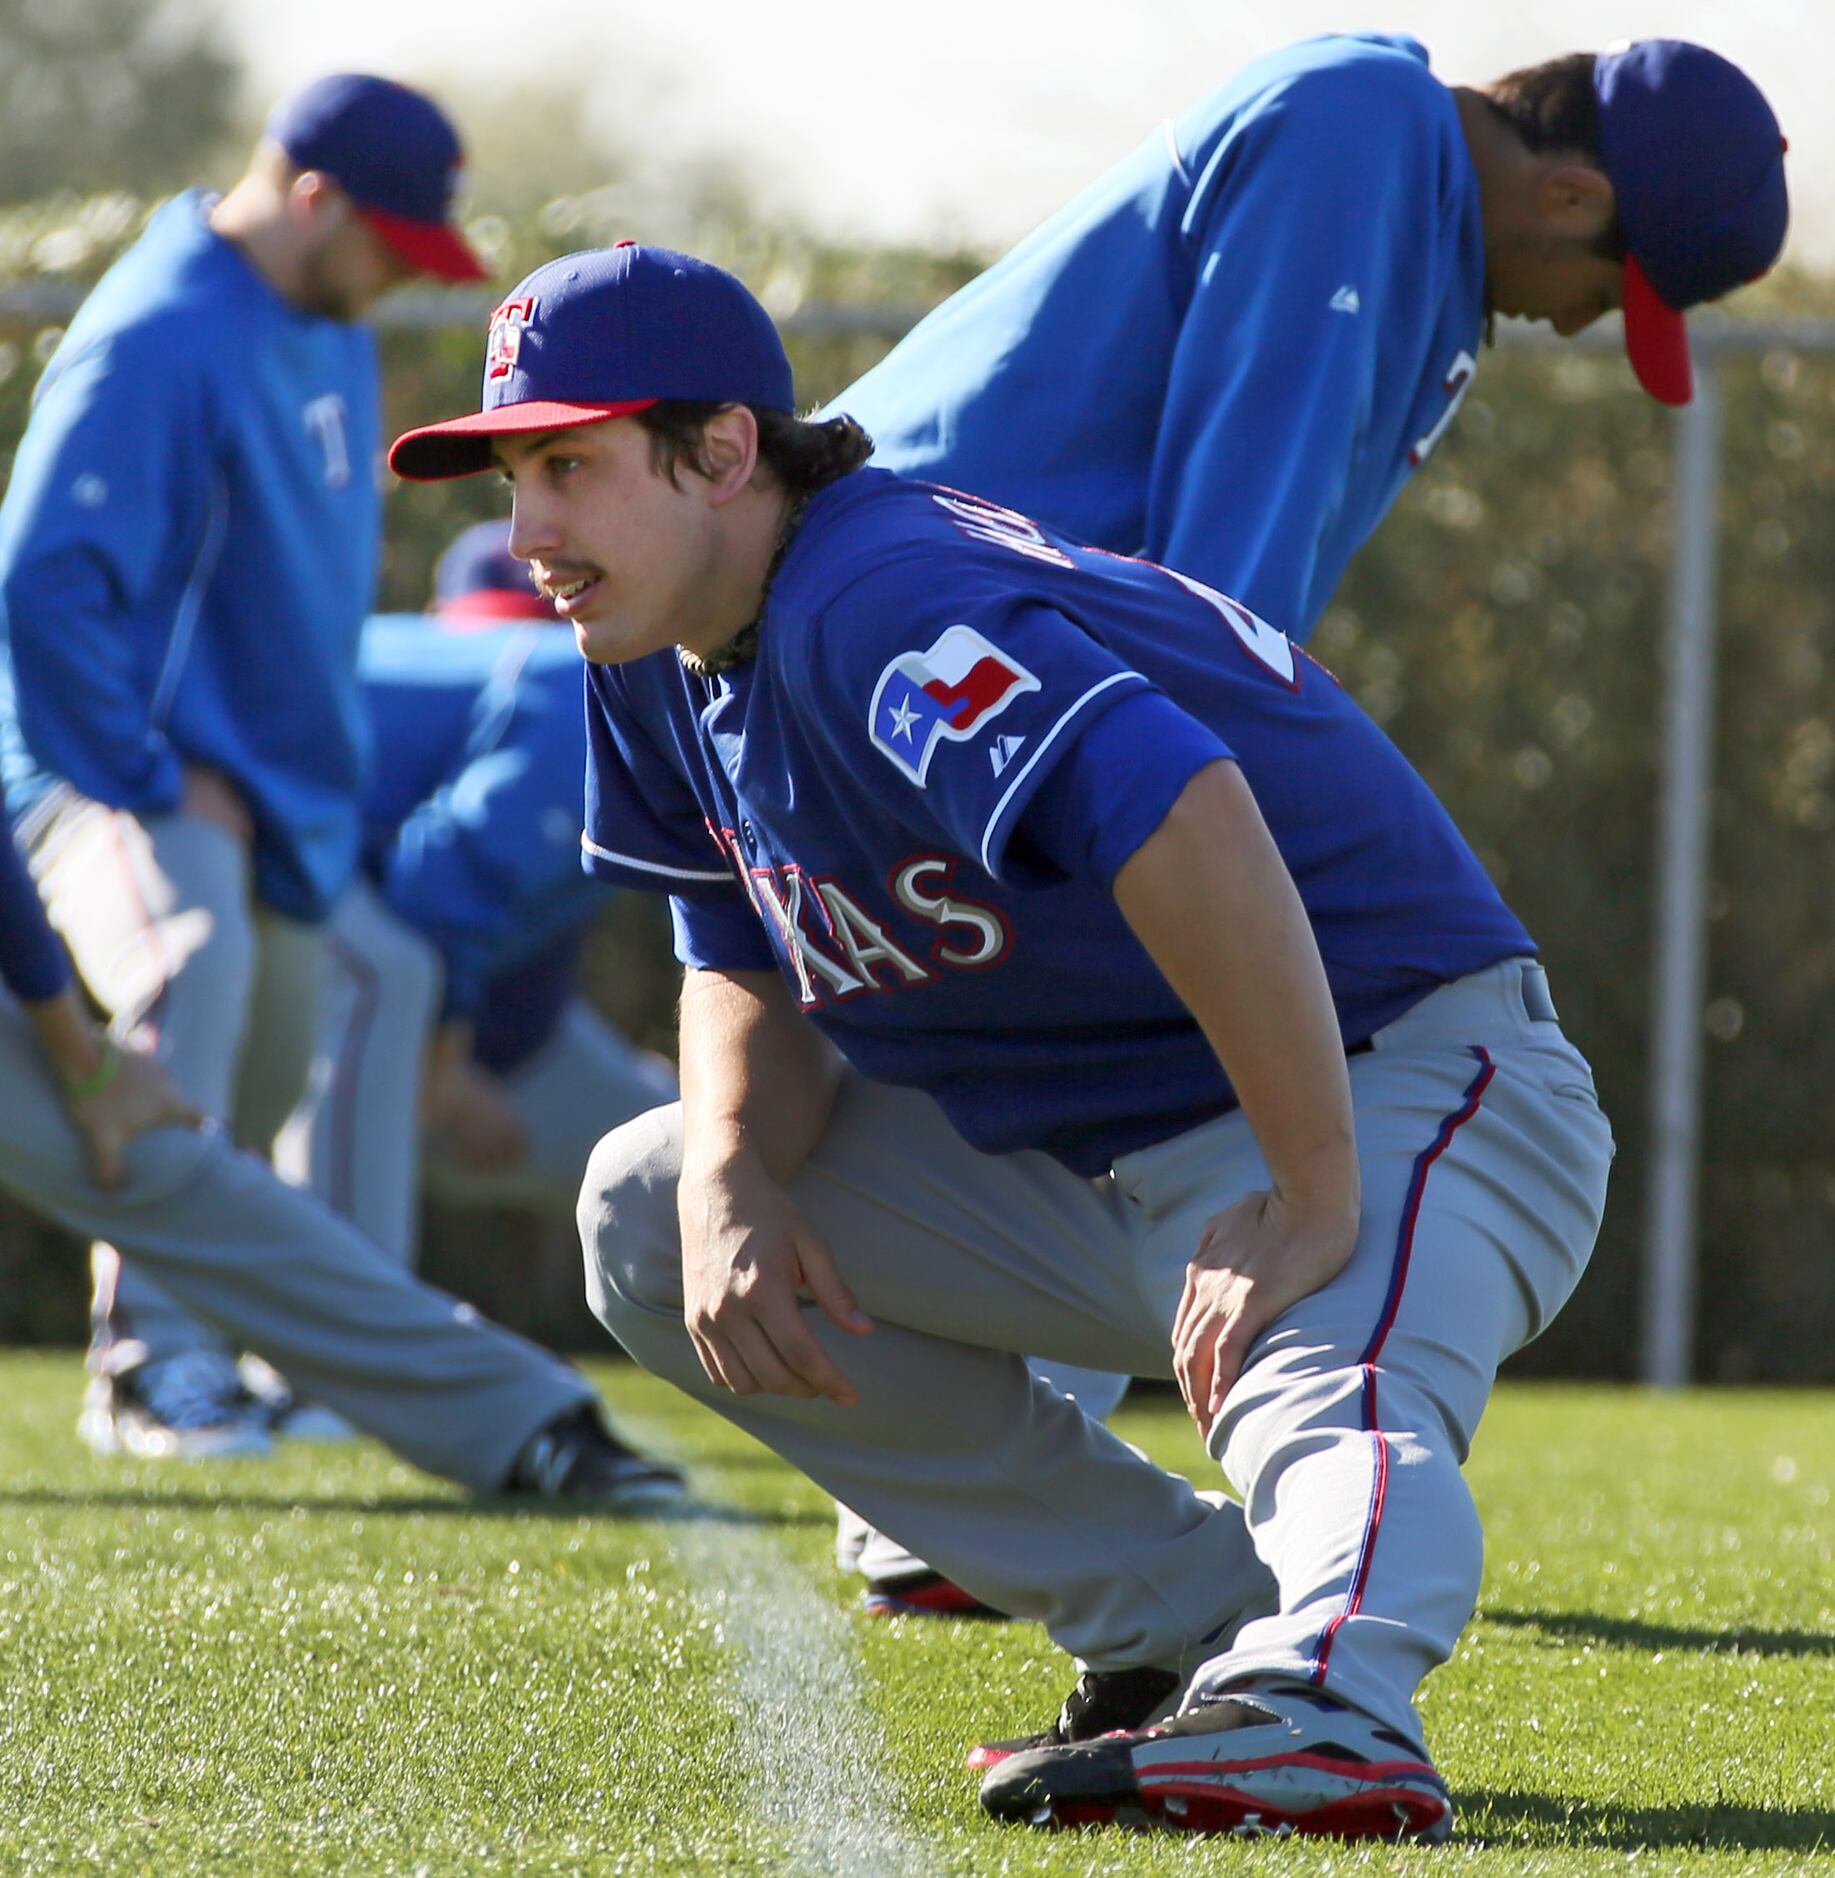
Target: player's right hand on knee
x,y
749,1262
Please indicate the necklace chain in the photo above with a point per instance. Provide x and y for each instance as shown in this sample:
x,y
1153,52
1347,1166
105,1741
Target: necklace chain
x,y
744,643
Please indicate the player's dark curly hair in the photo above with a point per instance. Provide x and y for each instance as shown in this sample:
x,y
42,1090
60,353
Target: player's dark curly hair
x,y
804,457
1553,107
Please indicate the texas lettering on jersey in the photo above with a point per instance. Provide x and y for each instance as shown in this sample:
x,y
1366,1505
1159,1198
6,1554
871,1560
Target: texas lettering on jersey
x,y
838,947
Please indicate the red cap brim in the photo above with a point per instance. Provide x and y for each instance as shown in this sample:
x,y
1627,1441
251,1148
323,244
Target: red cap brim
x,y
428,247
462,445
1656,340
488,605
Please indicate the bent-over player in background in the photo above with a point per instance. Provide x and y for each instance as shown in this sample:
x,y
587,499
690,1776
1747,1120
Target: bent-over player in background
x,y
1072,968
1231,351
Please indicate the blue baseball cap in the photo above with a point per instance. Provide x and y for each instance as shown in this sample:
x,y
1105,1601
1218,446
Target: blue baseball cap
x,y
479,580
394,153
1696,163
602,334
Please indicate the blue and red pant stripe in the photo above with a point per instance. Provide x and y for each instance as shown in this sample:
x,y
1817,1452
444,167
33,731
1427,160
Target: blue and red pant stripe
x,y
1368,1362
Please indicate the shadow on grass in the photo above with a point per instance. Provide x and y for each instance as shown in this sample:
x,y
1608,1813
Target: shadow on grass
x,y
485,1506
1634,1634
1517,1819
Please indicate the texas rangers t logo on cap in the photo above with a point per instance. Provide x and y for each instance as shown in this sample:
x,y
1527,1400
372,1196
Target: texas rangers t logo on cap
x,y
950,691
504,346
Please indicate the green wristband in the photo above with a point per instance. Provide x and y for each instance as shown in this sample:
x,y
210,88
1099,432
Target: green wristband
x,y
98,1078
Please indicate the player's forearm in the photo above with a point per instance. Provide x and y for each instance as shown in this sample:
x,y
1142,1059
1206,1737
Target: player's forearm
x,y
758,1079
1209,897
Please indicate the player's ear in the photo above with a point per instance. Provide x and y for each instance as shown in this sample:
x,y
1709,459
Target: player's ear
x,y
313,199
729,450
1575,201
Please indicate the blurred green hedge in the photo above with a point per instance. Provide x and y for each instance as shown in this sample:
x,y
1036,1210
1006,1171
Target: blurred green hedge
x,y
1506,626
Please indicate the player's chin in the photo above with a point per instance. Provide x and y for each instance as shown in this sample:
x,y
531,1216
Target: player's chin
x,y
612,641
589,642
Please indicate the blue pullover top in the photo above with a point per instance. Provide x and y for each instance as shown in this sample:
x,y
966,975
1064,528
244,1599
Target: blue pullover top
x,y
1230,352
187,552
472,819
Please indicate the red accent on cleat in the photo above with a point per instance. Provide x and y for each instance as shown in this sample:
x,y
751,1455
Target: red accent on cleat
x,y
924,1597
1195,1796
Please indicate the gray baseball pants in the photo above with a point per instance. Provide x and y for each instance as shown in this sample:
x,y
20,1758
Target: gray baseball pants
x,y
159,917
354,1138
584,1081
1353,1562
881,1560
276,1272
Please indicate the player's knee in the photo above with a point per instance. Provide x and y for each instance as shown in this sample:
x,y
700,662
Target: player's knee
x,y
158,1164
1285,1414
627,1218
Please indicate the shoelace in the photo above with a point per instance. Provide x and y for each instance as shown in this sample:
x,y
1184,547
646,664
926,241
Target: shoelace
x,y
194,1391
1081,1698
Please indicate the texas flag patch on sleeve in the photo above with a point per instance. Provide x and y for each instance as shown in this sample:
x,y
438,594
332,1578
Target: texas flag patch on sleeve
x,y
950,691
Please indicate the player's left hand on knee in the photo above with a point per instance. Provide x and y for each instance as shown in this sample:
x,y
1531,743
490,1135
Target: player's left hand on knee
x,y
1254,1260
136,1098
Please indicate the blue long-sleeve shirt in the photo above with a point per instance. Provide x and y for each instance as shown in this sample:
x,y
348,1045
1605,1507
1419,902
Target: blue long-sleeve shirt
x,y
1230,352
472,819
187,551
32,960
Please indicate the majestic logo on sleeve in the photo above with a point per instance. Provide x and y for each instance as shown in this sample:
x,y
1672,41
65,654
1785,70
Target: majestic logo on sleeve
x,y
504,346
960,684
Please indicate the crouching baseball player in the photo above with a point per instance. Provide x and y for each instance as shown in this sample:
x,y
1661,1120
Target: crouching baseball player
x,y
1072,968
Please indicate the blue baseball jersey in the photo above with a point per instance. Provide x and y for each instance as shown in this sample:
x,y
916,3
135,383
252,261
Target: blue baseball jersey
x,y
472,820
187,551
1231,351
914,801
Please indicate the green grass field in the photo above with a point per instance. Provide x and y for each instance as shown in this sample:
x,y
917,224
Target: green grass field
x,y
332,1664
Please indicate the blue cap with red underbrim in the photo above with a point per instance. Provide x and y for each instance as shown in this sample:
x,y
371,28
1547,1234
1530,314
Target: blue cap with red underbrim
x,y
603,334
394,153
1696,163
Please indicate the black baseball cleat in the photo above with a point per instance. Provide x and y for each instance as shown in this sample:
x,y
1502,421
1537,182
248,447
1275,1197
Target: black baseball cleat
x,y
577,1459
1104,1701
1257,1765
